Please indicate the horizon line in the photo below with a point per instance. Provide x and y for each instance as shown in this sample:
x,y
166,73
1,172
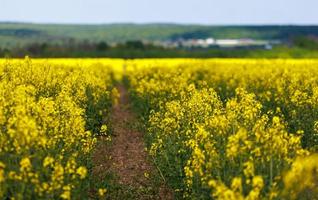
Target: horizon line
x,y
152,23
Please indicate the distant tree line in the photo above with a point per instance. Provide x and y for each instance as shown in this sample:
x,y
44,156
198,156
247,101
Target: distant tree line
x,y
301,46
81,49
306,42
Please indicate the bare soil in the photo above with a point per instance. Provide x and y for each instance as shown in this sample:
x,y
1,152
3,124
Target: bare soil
x,y
127,159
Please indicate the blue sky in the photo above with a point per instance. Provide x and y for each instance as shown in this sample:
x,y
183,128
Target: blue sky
x,y
173,11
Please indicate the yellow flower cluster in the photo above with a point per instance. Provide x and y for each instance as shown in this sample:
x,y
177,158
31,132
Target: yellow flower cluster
x,y
231,129
220,129
49,113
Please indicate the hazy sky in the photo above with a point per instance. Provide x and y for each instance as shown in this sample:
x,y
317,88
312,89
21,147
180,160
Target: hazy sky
x,y
177,11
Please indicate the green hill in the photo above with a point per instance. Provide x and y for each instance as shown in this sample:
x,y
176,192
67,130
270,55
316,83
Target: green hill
x,y
20,34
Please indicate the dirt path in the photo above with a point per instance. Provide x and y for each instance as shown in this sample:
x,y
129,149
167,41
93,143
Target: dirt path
x,y
128,154
127,159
